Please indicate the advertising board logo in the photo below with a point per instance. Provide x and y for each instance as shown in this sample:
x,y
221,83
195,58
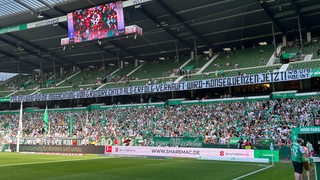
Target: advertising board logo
x,y
108,149
116,149
221,153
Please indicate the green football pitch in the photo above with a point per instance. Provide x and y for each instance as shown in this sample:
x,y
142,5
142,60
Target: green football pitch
x,y
39,166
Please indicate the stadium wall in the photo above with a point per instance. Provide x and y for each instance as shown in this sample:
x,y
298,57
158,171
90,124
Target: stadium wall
x,y
176,152
90,149
282,94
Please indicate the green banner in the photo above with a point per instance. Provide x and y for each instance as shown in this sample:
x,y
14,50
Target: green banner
x,y
175,101
309,129
283,95
13,28
176,141
188,67
267,154
234,140
288,55
4,99
315,72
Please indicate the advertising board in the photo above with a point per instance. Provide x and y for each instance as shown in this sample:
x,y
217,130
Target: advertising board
x,y
177,152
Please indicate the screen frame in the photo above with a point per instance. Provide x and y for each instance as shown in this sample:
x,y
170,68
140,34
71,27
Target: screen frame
x,y
76,36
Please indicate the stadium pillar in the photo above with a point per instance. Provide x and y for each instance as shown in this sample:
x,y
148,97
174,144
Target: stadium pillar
x,y
61,70
41,71
121,64
284,40
308,36
19,72
20,126
195,48
104,69
104,66
274,38
54,69
210,52
192,93
273,87
192,55
74,68
300,35
136,63
141,99
177,53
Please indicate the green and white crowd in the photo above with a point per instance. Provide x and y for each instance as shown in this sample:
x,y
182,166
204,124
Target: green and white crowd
x,y
216,123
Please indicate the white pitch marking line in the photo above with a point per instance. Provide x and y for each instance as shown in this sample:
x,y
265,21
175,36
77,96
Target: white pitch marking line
x,y
253,172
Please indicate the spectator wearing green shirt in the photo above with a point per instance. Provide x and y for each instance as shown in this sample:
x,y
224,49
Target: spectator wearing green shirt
x,y
297,153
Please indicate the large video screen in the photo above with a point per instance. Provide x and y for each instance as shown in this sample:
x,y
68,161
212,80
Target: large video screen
x,y
96,23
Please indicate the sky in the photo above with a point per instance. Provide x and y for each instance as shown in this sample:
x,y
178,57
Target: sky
x,y
5,76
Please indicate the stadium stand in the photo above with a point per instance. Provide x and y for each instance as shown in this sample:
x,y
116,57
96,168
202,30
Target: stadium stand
x,y
124,71
15,83
197,63
244,58
88,79
90,75
313,64
233,72
215,121
5,93
25,92
179,77
157,69
307,49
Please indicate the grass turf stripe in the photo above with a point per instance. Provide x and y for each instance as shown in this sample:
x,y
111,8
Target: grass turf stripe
x,y
44,162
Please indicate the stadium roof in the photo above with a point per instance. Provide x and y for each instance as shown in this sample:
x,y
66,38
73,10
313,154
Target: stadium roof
x,y
167,25
15,7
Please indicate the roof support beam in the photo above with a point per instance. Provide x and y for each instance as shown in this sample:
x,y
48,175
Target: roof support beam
x,y
28,63
55,9
33,45
271,16
154,19
181,20
52,7
31,52
26,6
123,49
302,19
56,56
36,47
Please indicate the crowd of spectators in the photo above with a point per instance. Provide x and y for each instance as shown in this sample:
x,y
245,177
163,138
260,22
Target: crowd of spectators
x,y
215,123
